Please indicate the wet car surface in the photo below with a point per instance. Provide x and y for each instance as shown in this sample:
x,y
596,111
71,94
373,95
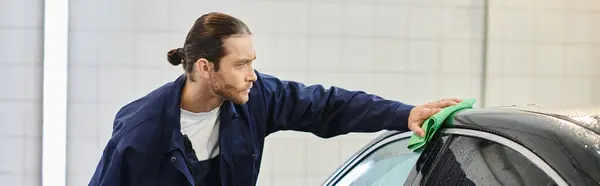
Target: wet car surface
x,y
518,145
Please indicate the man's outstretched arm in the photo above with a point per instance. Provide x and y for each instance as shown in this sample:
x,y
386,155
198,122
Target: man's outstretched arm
x,y
328,112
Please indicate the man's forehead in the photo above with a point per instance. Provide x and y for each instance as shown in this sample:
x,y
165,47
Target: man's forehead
x,y
240,48
238,43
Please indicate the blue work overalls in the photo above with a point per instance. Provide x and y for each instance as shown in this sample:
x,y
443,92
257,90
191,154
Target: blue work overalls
x,y
147,147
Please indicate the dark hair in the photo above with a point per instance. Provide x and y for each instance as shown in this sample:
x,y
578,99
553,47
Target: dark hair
x,y
205,40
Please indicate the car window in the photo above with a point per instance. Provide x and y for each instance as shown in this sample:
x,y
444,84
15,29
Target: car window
x,y
390,164
427,158
476,161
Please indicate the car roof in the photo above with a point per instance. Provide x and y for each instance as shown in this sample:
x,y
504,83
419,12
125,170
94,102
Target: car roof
x,y
587,117
584,116
567,137
579,124
556,134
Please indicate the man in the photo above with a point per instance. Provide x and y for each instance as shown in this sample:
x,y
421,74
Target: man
x,y
208,126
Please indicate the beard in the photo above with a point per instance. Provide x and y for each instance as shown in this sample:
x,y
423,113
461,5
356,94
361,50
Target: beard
x,y
228,91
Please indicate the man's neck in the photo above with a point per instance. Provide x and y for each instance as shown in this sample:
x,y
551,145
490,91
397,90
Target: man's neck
x,y
197,97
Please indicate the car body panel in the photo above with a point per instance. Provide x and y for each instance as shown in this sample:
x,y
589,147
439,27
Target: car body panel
x,y
567,139
570,148
585,116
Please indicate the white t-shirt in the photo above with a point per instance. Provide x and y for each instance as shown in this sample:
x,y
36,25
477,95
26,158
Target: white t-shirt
x,y
203,131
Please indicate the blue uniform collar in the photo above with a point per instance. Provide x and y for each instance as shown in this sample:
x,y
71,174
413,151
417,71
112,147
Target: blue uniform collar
x,y
172,112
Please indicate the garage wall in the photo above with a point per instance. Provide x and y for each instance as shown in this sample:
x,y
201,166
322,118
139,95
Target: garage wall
x,y
544,52
409,51
412,51
117,53
426,49
21,92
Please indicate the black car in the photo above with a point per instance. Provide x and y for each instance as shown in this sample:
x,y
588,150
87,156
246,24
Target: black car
x,y
525,145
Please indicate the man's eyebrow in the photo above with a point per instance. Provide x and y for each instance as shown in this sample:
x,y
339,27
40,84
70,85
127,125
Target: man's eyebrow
x,y
245,60
242,61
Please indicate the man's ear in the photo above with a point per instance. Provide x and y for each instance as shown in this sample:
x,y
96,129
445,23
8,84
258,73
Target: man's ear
x,y
204,67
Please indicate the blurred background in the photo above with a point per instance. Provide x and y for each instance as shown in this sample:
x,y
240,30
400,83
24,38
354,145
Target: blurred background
x,y
500,52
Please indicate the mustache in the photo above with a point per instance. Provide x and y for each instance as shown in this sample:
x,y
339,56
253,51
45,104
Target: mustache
x,y
231,87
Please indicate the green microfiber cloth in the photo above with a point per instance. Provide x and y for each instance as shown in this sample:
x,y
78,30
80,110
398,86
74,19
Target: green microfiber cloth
x,y
433,123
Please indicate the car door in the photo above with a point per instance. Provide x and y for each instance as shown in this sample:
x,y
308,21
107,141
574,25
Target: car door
x,y
387,162
470,157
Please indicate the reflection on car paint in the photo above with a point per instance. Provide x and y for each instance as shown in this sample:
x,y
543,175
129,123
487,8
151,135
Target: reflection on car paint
x,y
554,139
476,161
568,143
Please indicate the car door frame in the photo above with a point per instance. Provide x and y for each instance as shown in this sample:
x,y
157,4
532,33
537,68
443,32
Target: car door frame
x,y
373,146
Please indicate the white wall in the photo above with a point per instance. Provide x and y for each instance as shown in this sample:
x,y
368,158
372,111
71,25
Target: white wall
x,y
540,51
413,52
544,52
117,54
20,92
409,51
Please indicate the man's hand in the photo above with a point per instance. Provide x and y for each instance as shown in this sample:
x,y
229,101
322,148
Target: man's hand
x,y
420,113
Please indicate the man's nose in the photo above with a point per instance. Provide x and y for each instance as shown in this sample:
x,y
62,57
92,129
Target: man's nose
x,y
252,76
